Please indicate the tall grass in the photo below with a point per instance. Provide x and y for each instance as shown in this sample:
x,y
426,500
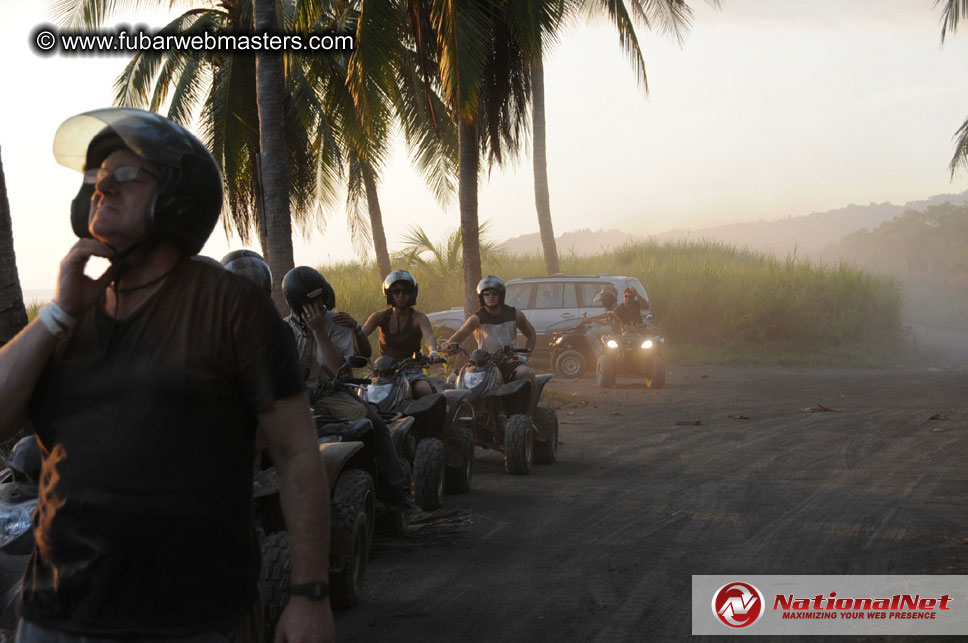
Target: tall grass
x,y
714,299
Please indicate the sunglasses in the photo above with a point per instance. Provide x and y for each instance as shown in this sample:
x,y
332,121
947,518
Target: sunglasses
x,y
401,291
121,174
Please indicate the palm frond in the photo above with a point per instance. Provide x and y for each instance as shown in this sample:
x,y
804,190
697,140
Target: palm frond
x,y
953,12
960,158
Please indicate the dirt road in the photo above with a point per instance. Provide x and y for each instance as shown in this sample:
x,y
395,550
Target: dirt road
x,y
602,545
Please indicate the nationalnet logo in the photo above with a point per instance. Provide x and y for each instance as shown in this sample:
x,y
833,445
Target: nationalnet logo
x,y
738,604
878,605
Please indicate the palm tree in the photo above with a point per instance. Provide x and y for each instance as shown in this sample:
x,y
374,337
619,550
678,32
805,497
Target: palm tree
x,y
13,315
670,15
953,12
443,258
474,52
273,159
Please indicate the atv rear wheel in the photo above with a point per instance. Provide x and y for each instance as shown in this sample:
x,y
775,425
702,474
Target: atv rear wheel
x,y
546,421
458,477
518,445
570,364
274,582
606,371
352,535
428,474
657,375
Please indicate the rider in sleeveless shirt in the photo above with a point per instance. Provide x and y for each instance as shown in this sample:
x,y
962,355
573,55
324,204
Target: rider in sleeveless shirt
x,y
402,327
496,325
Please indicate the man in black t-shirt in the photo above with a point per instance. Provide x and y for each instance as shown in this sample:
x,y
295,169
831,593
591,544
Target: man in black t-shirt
x,y
146,387
629,312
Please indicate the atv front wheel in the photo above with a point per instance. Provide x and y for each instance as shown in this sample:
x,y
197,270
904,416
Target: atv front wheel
x,y
657,375
428,474
606,371
546,442
518,445
459,476
570,364
274,582
351,536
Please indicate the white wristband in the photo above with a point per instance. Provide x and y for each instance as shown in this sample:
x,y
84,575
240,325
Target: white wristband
x,y
56,320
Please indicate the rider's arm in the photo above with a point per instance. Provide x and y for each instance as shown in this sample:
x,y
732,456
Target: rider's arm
x,y
372,322
471,324
304,494
423,323
527,330
23,358
361,343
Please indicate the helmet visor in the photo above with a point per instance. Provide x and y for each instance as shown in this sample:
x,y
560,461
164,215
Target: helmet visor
x,y
147,134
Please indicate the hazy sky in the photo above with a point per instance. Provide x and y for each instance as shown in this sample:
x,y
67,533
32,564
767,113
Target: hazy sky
x,y
770,108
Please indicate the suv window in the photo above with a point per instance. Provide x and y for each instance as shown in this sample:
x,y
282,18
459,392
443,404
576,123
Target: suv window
x,y
549,295
518,295
589,290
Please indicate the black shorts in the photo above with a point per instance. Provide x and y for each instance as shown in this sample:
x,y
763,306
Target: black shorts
x,y
507,369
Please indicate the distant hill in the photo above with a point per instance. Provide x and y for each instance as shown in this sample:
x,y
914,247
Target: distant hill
x,y
809,234
579,242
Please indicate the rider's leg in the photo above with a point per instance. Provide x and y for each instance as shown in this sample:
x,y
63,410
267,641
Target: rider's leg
x,y
421,388
387,459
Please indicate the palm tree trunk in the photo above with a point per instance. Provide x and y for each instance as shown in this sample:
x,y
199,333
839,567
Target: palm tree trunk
x,y
272,142
376,221
542,200
469,156
13,315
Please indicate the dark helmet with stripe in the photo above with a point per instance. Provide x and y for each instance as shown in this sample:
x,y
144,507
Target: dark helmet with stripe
x,y
303,284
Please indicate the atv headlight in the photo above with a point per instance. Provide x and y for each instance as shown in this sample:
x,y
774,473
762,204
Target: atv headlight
x,y
473,378
327,439
15,520
376,393
559,340
647,344
612,343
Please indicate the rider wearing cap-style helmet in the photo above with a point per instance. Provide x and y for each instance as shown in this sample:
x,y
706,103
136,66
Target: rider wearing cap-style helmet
x,y
177,352
251,265
402,328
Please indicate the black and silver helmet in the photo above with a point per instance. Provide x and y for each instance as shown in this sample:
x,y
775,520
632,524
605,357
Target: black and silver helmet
x,y
251,265
491,282
397,276
189,198
607,297
303,284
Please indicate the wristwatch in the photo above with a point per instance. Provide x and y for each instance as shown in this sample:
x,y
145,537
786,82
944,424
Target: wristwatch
x,y
315,590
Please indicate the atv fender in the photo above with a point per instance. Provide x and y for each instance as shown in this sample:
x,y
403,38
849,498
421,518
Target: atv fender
x,y
515,396
430,416
540,382
400,430
335,455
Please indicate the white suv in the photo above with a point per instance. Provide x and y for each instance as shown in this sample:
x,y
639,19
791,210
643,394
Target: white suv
x,y
550,303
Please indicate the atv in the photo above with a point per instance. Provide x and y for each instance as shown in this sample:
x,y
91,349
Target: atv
x,y
438,448
634,351
575,350
18,499
502,416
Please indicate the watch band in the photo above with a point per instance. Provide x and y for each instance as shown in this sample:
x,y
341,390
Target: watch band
x,y
315,590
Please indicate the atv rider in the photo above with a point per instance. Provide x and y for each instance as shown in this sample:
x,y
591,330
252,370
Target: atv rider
x,y
400,288
495,325
629,312
323,343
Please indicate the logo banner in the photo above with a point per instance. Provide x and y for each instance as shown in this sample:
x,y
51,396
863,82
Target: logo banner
x,y
829,605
